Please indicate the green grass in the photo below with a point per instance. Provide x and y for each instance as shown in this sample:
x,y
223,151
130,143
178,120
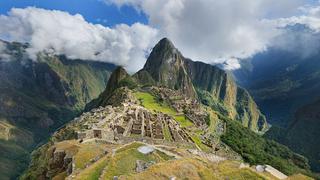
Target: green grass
x,y
231,170
124,161
213,121
166,133
86,153
196,139
93,172
149,102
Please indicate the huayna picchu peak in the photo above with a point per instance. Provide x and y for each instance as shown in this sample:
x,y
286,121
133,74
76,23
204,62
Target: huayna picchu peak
x,y
167,67
173,119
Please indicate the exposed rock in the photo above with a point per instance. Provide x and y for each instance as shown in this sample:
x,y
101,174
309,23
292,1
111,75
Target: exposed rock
x,y
142,165
166,67
222,87
145,149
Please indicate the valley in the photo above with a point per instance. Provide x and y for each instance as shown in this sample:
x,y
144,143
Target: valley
x,y
37,97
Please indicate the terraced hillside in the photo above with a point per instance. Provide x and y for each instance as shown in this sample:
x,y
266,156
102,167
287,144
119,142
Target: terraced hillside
x,y
115,140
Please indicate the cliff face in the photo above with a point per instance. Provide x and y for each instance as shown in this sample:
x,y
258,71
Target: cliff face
x,y
36,97
167,67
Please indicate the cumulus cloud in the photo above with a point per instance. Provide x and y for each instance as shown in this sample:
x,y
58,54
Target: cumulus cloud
x,y
231,64
59,32
209,31
4,56
299,34
216,31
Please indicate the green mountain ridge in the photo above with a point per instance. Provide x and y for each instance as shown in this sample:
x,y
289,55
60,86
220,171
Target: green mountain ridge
x,y
300,135
37,97
285,86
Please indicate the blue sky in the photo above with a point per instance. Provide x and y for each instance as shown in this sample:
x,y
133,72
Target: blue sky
x,y
94,11
220,31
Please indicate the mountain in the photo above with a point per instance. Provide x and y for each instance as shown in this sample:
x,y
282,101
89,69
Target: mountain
x,y
281,82
144,126
37,97
167,67
301,135
285,85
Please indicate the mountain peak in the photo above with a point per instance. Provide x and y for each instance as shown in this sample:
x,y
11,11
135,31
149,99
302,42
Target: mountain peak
x,y
117,75
165,42
162,48
165,65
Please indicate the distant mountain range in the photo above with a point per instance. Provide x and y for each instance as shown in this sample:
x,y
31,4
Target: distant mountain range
x,y
37,97
286,87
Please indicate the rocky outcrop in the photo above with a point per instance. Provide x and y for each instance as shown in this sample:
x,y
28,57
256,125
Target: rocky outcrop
x,y
118,78
166,67
59,161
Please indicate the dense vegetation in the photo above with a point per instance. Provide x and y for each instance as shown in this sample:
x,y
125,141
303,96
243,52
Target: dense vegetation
x,y
37,97
256,150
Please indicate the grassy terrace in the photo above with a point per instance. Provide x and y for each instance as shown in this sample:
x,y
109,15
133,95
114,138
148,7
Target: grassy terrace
x,y
150,102
190,168
93,172
86,153
124,161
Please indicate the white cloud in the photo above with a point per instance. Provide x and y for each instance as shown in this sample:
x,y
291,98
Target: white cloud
x,y
62,33
216,31
231,64
299,34
4,56
209,31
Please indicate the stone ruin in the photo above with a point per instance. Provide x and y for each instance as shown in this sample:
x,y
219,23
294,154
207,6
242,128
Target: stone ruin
x,y
130,121
59,161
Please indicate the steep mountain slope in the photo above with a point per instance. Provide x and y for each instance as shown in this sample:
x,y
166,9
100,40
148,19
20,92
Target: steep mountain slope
x,y
118,78
302,135
38,97
167,67
281,82
234,100
159,133
285,86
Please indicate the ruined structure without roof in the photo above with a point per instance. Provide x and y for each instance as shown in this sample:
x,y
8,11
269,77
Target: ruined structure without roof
x,y
128,121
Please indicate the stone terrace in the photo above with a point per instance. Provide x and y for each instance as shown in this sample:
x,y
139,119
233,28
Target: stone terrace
x,y
127,121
